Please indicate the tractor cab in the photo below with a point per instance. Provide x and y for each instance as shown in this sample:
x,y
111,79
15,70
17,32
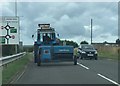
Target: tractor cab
x,y
46,35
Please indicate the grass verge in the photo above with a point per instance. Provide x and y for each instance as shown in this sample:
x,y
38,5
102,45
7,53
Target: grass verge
x,y
13,68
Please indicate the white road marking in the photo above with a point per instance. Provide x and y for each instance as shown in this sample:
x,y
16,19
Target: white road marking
x,y
108,79
83,66
19,76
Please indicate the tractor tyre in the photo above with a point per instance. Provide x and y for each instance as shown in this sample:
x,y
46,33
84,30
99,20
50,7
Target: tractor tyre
x,y
39,63
38,60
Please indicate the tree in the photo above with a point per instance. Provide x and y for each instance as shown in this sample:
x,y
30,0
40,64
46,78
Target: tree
x,y
84,42
28,48
72,43
105,42
118,41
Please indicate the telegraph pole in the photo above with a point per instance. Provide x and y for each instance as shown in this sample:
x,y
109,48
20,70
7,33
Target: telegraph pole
x,y
16,8
91,30
16,46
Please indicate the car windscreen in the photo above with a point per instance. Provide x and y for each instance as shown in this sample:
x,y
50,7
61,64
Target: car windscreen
x,y
87,47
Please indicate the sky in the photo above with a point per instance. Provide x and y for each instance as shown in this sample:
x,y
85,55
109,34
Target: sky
x,y
70,19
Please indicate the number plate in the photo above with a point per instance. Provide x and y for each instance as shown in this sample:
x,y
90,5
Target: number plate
x,y
90,54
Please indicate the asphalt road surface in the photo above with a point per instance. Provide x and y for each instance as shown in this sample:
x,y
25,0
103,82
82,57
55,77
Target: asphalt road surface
x,y
86,72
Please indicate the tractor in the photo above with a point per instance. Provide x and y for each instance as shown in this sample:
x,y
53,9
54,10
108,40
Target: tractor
x,y
47,47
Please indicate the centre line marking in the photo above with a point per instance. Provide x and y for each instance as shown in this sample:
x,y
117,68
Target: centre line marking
x,y
83,66
108,79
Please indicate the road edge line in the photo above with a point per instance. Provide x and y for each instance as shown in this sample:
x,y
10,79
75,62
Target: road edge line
x,y
20,75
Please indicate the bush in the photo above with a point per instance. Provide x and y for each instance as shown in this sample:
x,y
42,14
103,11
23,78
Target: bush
x,y
9,50
84,42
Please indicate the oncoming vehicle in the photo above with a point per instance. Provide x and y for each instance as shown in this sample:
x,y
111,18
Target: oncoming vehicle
x,y
87,52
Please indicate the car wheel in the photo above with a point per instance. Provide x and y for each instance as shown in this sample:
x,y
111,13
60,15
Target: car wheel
x,y
96,58
81,57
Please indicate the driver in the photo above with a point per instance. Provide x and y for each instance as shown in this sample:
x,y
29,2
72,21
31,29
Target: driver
x,y
46,38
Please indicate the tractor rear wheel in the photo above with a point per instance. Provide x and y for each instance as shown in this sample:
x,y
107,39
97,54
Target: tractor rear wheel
x,y
39,63
38,60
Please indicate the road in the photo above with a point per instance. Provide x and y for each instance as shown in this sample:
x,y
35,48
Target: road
x,y
100,71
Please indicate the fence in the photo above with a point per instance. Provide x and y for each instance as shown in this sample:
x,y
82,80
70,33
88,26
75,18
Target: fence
x,y
8,59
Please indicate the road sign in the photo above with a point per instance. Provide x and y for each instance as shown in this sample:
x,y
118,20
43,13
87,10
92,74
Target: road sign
x,y
9,28
13,31
2,40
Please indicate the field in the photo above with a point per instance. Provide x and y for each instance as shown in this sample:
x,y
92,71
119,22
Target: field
x,y
111,52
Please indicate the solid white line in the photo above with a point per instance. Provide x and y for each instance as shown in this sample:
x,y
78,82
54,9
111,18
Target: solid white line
x,y
108,79
83,66
20,76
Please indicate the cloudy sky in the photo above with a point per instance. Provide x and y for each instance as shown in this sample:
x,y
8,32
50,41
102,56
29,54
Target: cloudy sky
x,y
70,19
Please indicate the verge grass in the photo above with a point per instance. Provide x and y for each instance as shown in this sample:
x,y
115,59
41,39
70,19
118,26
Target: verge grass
x,y
11,69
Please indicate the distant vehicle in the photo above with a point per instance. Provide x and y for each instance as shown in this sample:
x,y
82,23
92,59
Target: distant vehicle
x,y
87,51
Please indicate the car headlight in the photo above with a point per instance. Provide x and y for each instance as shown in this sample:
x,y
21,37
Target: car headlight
x,y
83,52
95,52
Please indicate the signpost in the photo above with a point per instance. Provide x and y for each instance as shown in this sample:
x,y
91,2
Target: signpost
x,y
9,30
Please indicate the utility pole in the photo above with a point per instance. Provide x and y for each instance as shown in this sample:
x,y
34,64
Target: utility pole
x,y
16,8
91,30
16,46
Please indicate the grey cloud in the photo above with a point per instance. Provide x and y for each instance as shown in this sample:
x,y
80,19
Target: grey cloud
x,y
68,19
104,36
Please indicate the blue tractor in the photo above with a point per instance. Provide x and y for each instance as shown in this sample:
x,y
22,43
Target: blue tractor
x,y
47,47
